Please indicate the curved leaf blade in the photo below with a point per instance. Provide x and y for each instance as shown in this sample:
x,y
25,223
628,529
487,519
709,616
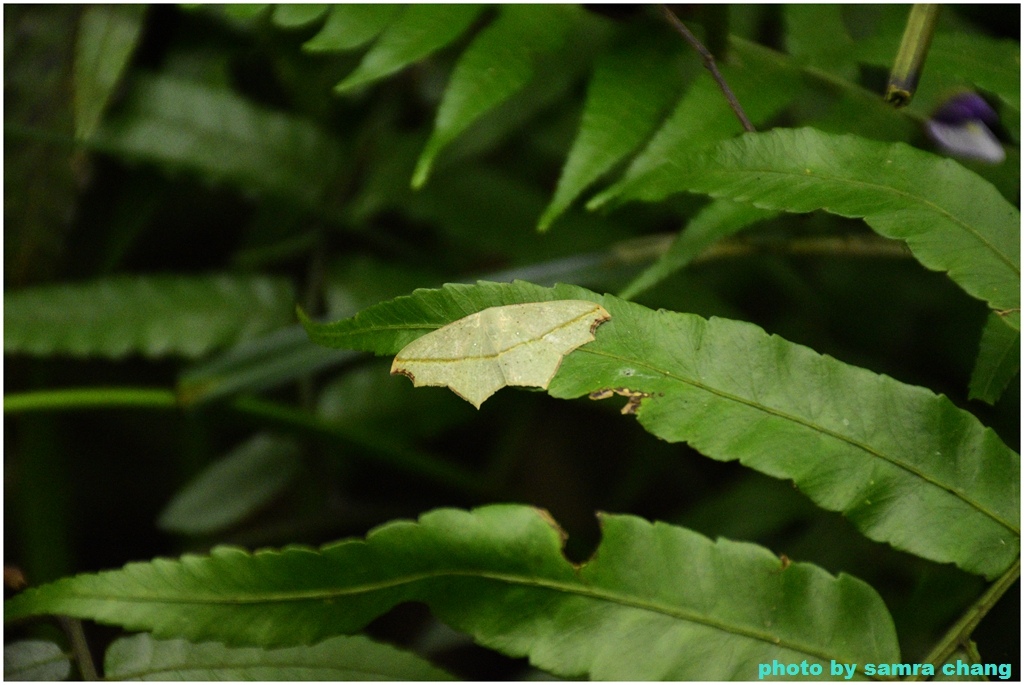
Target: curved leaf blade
x,y
35,660
998,359
255,365
655,602
351,26
416,33
232,488
107,36
222,137
151,315
498,63
339,659
629,93
906,466
951,219
703,117
295,15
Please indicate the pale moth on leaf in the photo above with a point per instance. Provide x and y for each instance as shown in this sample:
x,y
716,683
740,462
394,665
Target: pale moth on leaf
x,y
517,344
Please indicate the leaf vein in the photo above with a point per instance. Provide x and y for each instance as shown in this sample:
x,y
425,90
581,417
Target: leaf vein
x,y
328,594
821,429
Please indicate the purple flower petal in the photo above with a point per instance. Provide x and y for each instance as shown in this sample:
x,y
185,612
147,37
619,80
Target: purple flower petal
x,y
964,107
970,140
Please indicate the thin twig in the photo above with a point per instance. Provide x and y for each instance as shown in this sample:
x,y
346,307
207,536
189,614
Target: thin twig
x,y
858,245
648,248
79,647
960,633
709,63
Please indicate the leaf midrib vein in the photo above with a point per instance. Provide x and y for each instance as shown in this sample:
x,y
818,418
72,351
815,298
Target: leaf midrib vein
x,y
821,429
911,198
599,594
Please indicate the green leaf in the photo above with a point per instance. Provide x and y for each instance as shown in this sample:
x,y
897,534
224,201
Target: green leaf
x,y
286,354
629,93
654,602
717,220
951,219
351,26
151,315
35,660
703,116
556,75
905,465
298,14
497,64
243,11
416,33
816,35
998,359
991,64
141,657
232,488
107,35
258,364
221,137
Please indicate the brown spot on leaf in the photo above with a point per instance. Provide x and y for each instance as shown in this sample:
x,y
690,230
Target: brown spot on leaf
x,y
633,403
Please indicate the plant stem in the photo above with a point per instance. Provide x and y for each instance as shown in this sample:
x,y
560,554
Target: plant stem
x,y
88,398
867,245
909,62
826,77
709,63
295,420
79,647
649,248
959,635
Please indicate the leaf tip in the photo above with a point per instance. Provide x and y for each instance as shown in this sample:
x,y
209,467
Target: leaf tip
x,y
304,319
552,212
422,172
600,201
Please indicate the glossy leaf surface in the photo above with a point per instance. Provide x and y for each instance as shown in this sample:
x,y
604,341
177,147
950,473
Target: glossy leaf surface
x,y
654,602
951,219
905,465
